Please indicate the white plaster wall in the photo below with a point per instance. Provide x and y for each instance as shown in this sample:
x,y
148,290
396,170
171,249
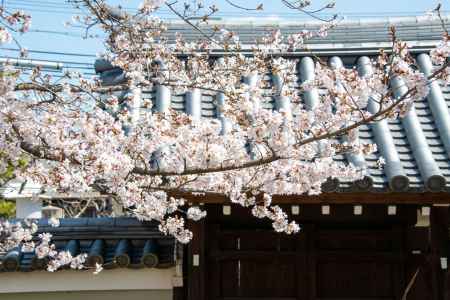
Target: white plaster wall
x,y
107,280
93,295
28,209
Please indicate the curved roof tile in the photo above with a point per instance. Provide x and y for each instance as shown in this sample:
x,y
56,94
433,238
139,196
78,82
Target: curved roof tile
x,y
416,148
114,242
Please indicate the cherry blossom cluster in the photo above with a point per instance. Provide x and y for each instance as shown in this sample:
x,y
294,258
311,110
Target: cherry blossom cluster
x,y
151,5
22,235
439,56
13,234
17,21
57,259
80,136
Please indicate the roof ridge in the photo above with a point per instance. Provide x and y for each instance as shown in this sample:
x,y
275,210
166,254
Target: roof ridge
x,y
281,22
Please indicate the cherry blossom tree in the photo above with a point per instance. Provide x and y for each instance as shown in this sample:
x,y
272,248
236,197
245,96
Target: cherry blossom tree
x,y
78,137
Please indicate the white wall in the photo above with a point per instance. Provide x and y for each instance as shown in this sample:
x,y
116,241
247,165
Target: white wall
x,y
93,295
107,280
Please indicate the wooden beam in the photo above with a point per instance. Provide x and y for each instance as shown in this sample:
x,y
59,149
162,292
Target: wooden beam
x,y
426,198
374,214
439,220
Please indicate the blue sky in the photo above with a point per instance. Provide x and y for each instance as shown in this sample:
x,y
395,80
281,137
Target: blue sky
x,y
49,34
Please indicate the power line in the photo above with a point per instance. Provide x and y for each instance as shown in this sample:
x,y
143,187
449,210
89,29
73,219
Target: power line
x,y
66,33
59,5
236,13
40,1
52,52
42,4
23,4
64,64
63,8
63,12
52,8
64,5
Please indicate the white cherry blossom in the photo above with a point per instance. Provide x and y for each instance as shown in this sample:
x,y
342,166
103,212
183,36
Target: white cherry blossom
x,y
79,136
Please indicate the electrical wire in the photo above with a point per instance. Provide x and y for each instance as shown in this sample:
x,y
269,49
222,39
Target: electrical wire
x,y
54,7
65,33
52,52
68,65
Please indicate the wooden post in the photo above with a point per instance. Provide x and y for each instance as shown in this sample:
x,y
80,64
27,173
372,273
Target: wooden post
x,y
213,267
178,293
439,237
398,237
301,261
196,262
312,262
179,289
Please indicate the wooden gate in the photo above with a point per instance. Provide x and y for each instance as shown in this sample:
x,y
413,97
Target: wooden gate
x,y
339,257
315,264
247,264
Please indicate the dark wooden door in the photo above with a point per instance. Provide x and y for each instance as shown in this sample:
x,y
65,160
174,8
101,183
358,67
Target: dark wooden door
x,y
255,264
316,264
357,264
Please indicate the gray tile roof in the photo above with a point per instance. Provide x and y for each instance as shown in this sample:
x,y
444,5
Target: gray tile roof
x,y
374,30
416,148
115,242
